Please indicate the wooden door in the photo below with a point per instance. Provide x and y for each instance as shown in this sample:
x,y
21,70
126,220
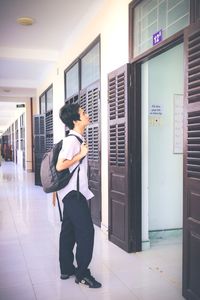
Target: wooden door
x,y
124,211
191,213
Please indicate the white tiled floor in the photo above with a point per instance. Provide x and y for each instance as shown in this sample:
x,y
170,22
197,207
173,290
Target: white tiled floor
x,y
29,231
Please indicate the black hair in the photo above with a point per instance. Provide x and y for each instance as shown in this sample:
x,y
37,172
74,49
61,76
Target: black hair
x,y
69,113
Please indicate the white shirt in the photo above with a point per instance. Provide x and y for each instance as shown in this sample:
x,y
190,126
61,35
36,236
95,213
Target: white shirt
x,y
71,146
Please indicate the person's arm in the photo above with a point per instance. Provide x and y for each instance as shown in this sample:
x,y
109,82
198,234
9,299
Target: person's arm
x,y
63,164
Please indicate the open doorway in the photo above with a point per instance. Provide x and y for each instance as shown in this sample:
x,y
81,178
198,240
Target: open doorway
x,y
162,83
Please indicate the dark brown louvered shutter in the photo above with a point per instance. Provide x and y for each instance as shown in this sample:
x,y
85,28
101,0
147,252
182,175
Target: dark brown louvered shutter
x,y
90,101
118,158
49,129
73,99
191,213
39,144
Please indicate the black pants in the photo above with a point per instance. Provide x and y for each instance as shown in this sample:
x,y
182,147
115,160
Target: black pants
x,y
77,228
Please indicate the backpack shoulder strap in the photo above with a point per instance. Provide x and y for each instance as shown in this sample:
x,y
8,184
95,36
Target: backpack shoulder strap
x,y
81,141
78,138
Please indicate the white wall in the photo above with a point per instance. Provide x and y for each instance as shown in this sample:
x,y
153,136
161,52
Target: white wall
x,y
110,20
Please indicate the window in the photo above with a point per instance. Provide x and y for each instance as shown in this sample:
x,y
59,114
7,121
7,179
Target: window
x,y
46,100
22,117
49,97
83,72
90,67
71,81
42,104
22,132
156,20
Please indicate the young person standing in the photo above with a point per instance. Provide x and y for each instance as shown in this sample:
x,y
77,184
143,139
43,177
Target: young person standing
x,y
77,227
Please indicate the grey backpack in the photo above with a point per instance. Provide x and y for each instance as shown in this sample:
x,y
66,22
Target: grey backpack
x,y
51,179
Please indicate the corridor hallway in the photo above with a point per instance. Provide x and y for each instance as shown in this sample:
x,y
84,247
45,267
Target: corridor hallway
x,y
29,269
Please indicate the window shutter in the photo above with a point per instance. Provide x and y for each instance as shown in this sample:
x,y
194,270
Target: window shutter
x,y
191,213
49,129
93,128
73,99
39,144
83,104
90,102
118,157
83,100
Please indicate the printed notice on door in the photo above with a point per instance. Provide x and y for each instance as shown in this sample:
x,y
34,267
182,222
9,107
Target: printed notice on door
x,y
178,124
155,110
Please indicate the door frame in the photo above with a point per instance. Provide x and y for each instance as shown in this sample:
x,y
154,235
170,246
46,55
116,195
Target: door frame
x,y
135,128
173,45
136,100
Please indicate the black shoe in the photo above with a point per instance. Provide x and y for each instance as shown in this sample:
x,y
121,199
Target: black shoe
x,y
89,281
66,276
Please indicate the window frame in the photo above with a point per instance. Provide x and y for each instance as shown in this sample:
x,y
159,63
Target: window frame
x,y
40,97
194,16
78,60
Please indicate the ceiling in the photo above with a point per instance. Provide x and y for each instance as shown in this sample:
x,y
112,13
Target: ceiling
x,y
27,53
